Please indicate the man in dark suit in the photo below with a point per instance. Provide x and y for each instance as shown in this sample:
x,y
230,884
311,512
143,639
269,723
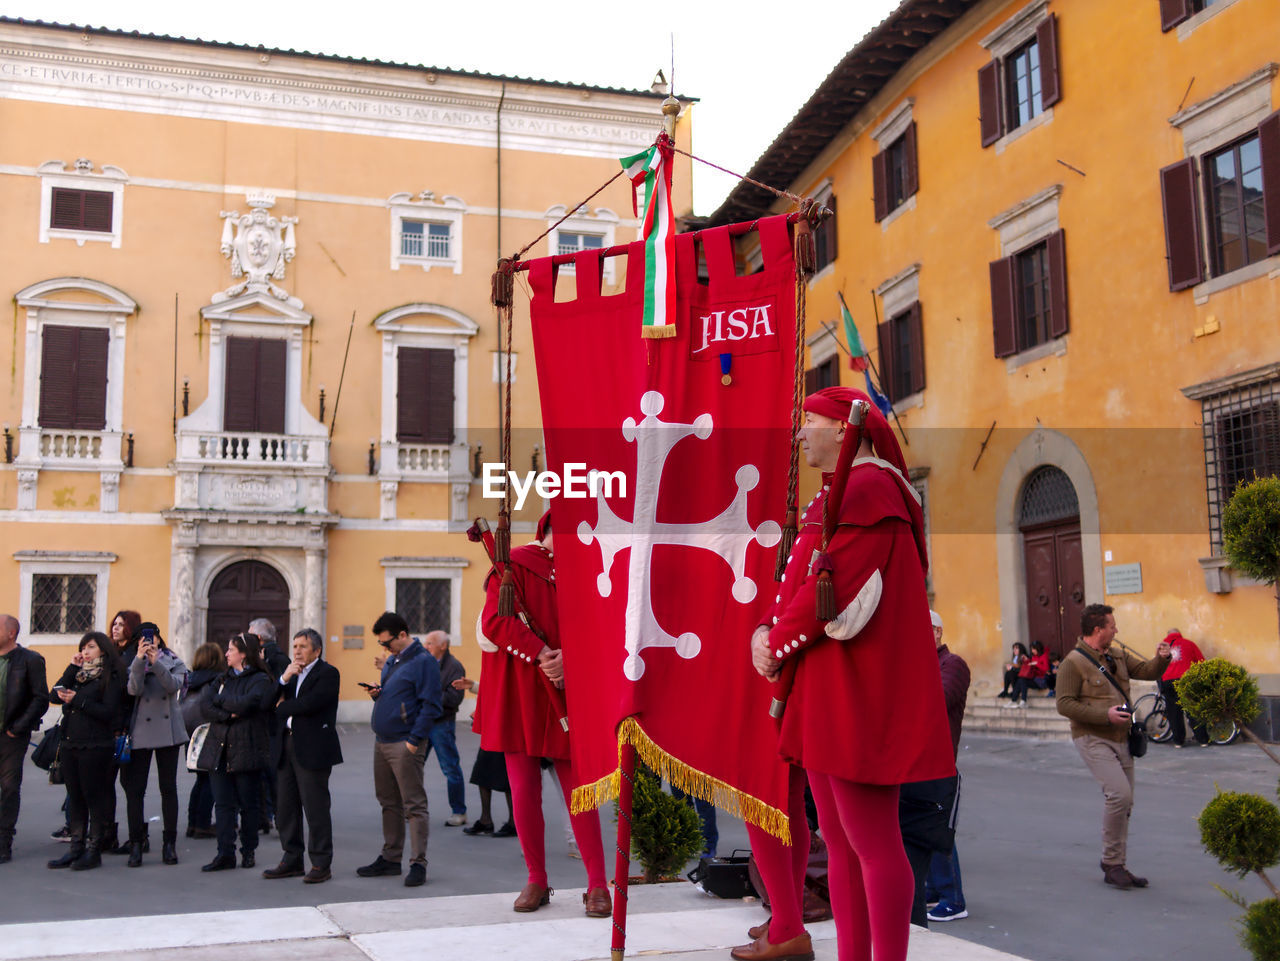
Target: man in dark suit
x,y
24,697
308,750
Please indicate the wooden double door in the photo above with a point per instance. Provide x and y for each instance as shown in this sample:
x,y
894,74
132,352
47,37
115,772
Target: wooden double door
x,y
242,592
1055,584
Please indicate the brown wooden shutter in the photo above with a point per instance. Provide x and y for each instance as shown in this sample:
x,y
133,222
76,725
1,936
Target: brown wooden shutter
x,y
240,402
91,379
81,209
1269,142
411,395
824,237
884,335
66,209
1050,75
833,246
97,210
989,102
915,333
1057,249
1173,12
880,184
1003,315
439,409
811,380
1182,224
909,158
271,385
58,376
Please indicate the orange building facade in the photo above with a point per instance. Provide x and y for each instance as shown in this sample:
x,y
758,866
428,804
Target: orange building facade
x,y
252,365
1057,226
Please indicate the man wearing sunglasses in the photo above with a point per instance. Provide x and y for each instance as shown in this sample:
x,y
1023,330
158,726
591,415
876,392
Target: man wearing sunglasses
x,y
407,703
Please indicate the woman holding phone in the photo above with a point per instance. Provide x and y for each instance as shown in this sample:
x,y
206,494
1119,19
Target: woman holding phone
x,y
156,676
90,692
236,749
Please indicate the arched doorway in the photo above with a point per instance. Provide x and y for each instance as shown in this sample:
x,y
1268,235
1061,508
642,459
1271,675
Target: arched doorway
x,y
243,591
1049,519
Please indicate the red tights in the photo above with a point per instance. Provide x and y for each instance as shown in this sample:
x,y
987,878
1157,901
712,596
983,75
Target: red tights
x,y
868,872
782,868
525,774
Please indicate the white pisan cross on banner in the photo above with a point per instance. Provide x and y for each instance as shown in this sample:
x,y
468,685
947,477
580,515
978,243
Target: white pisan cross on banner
x,y
728,534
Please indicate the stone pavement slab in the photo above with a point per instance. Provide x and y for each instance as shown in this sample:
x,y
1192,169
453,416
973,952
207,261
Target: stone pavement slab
x,y
666,921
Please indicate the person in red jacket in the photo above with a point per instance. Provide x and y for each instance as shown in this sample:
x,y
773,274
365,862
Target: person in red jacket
x,y
516,716
850,723
1184,653
1033,672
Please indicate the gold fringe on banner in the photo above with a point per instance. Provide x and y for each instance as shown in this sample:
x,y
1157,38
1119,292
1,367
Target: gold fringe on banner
x,y
588,797
658,331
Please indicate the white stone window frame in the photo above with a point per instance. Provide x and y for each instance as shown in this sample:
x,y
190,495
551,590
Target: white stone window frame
x,y
1024,225
897,294
424,208
889,132
601,222
54,173
277,320
429,569
1207,126
1189,26
1004,40
96,564
436,327
109,310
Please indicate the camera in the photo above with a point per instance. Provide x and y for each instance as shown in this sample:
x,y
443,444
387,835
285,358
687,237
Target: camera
x,y
148,634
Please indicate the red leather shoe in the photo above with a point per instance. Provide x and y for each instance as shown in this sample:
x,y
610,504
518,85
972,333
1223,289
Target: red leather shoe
x,y
532,897
799,948
597,903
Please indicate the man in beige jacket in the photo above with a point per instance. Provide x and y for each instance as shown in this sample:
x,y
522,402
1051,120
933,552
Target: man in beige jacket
x,y
1100,717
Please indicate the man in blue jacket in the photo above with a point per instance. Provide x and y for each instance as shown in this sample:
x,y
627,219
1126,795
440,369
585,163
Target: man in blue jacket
x,y
405,706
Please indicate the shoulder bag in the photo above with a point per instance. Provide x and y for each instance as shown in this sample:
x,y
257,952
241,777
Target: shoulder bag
x,y
1137,732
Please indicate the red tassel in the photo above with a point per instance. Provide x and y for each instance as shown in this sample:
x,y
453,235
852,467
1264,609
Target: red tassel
x,y
503,284
502,539
785,545
826,590
507,595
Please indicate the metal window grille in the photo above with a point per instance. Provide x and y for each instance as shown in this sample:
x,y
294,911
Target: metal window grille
x,y
1241,441
421,239
1048,495
424,603
62,603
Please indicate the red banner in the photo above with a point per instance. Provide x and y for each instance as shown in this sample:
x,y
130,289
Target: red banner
x,y
664,568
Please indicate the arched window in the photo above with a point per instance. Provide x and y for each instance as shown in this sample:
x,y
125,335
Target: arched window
x,y
1048,495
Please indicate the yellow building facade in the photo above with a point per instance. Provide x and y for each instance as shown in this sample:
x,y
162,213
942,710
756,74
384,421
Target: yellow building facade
x,y
1057,226
252,365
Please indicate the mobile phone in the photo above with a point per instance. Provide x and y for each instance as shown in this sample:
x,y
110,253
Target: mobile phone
x,y
367,687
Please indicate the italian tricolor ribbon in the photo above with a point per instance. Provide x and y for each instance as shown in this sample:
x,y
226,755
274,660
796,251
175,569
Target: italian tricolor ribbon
x,y
652,168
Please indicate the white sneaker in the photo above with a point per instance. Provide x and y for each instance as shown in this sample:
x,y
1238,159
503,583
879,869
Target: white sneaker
x,y
455,820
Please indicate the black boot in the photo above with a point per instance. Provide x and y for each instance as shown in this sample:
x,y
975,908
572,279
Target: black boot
x,y
92,857
135,854
169,851
74,853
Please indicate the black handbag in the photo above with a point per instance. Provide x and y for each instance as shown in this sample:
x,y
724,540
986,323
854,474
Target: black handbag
x,y
1137,734
46,752
724,877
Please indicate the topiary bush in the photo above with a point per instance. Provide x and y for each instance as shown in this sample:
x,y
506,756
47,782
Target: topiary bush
x,y
1251,530
665,832
1260,930
1242,831
1217,690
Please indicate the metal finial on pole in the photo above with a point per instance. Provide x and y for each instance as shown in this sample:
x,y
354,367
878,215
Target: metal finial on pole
x,y
670,111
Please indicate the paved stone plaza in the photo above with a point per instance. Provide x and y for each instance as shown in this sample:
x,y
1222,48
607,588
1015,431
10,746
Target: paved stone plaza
x,y
1028,840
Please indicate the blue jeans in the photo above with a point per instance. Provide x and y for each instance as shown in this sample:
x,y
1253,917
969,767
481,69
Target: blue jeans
x,y
943,881
442,737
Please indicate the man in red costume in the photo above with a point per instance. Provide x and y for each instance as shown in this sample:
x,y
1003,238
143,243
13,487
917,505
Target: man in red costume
x,y
865,712
516,715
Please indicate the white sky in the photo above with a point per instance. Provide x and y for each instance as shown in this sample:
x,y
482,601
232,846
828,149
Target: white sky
x,y
752,64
